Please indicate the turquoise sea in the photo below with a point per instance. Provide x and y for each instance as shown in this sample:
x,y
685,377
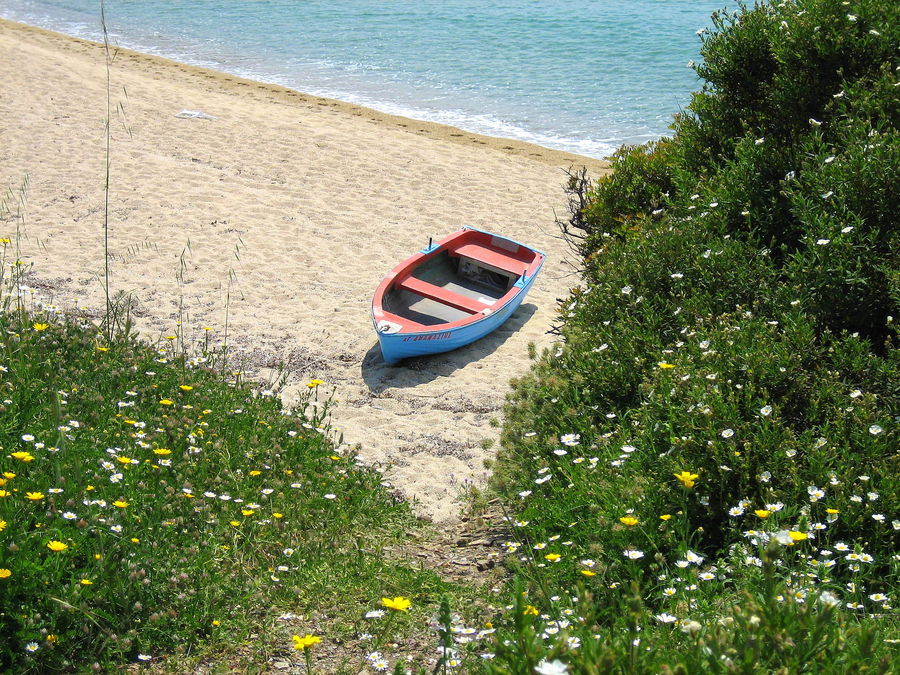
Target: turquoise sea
x,y
581,76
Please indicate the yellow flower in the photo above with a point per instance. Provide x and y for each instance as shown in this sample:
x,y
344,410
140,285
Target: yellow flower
x,y
34,496
121,459
162,451
588,573
277,515
832,511
97,556
24,456
798,536
216,622
40,326
166,401
2,525
666,516
171,337
102,349
687,478
5,493
121,503
234,523
57,546
762,513
664,365
628,520
531,609
255,472
552,557
399,603
5,573
9,475
185,387
248,512
86,582
315,383
52,638
305,642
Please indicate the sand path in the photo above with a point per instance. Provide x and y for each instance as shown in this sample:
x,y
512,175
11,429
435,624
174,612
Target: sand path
x,y
296,205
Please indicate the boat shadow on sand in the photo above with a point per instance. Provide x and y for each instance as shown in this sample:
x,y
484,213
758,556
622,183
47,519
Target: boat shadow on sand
x,y
417,370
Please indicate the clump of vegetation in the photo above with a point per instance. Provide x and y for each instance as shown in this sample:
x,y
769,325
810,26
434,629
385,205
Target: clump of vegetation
x,y
707,463
148,506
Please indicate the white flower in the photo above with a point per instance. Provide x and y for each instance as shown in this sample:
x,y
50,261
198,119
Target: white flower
x,y
626,290
878,597
823,242
847,229
783,538
765,411
666,618
814,122
570,439
555,667
632,554
330,496
31,647
875,429
144,657
375,614
690,626
68,515
727,433
693,557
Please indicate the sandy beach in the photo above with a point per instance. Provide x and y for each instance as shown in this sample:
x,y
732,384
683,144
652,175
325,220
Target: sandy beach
x,y
288,209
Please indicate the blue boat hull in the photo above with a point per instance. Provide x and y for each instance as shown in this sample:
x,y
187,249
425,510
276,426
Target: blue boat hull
x,y
397,347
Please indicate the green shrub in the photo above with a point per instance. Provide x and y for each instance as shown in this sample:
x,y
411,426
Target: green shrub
x,y
715,436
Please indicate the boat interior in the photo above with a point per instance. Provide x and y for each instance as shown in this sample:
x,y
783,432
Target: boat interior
x,y
454,285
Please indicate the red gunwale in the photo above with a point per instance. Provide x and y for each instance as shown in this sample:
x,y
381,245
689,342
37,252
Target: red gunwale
x,y
474,244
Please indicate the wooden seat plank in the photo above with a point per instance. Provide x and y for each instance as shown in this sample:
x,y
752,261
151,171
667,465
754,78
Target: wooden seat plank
x,y
504,260
442,295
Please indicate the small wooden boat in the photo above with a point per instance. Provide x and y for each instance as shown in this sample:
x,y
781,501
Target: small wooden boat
x,y
451,293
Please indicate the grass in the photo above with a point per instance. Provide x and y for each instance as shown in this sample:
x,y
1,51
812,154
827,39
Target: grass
x,y
148,506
